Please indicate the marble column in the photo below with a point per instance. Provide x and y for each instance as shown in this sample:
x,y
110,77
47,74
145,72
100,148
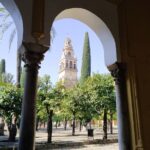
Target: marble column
x,y
32,55
124,135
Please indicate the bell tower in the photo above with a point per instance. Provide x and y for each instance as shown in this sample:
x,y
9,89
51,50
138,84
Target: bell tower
x,y
68,65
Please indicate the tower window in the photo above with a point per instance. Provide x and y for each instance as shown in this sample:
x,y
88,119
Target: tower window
x,y
69,54
66,64
70,64
74,66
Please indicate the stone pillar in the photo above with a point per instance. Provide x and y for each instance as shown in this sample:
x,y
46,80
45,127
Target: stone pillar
x,y
32,56
124,134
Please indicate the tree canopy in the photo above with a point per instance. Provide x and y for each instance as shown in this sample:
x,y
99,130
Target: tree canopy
x,y
86,59
10,101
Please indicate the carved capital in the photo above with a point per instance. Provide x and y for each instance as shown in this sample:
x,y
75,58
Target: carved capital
x,y
33,54
117,71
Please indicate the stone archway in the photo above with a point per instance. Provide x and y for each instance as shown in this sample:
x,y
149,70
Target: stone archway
x,y
36,37
15,30
111,60
98,26
13,10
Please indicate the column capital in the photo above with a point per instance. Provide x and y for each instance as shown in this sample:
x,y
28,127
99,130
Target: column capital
x,y
33,54
117,71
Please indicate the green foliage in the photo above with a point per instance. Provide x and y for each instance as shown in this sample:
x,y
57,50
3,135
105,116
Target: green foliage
x,y
49,98
2,9
86,101
86,59
41,111
10,101
58,117
44,87
7,78
57,94
2,66
102,92
71,100
78,103
44,84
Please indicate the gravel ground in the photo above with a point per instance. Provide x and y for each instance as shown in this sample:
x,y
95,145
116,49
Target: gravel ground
x,y
99,147
93,147
60,136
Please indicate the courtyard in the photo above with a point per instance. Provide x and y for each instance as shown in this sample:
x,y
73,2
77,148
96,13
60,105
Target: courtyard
x,y
62,139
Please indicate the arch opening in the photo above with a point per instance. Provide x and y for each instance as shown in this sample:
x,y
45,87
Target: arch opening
x,y
98,26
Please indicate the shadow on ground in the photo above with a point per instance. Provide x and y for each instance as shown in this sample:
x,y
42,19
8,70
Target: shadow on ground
x,y
5,145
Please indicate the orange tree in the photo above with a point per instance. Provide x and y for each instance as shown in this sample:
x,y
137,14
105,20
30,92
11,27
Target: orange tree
x,y
10,105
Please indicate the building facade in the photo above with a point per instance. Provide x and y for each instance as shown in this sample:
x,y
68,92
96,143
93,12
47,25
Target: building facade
x,y
68,65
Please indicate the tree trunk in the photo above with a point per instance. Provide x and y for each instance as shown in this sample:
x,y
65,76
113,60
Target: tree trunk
x,y
59,124
2,125
44,124
65,124
73,125
50,127
111,123
90,124
80,126
56,124
37,123
105,125
12,128
12,132
2,129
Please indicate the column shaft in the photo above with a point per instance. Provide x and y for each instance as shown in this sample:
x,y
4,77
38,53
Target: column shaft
x,y
27,130
124,134
32,56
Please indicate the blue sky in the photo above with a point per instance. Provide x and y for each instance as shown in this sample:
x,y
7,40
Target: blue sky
x,y
63,28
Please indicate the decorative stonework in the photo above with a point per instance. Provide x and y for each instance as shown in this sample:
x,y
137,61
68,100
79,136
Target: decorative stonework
x,y
68,65
117,71
33,54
